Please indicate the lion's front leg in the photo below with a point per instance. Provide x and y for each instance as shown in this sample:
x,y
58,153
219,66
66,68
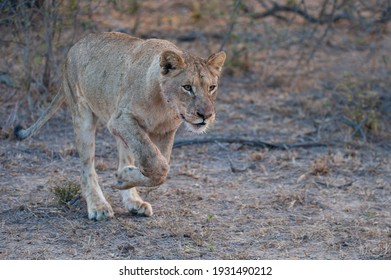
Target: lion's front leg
x,y
152,167
85,125
130,197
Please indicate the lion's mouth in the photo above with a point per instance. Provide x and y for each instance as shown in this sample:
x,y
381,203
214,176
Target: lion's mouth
x,y
197,124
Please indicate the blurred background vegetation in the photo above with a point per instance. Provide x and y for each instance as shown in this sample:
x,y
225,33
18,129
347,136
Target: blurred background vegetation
x,y
329,58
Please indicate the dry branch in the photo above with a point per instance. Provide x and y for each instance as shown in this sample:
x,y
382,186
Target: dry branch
x,y
357,127
246,142
231,25
276,9
328,185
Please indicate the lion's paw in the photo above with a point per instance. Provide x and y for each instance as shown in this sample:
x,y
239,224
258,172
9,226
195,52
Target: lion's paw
x,y
99,211
126,176
139,207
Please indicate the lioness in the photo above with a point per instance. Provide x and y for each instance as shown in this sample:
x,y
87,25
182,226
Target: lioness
x,y
143,90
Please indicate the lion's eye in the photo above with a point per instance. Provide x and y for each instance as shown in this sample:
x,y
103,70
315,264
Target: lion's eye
x,y
212,88
188,88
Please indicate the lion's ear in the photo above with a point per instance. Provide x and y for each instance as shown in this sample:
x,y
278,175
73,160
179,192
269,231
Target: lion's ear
x,y
216,60
169,61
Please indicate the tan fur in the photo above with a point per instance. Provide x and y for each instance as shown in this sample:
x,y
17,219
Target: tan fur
x,y
139,88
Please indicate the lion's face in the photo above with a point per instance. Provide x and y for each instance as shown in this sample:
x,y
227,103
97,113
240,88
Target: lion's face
x,y
189,84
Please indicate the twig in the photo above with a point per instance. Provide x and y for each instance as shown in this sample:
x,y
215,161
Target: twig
x,y
247,142
386,16
277,8
233,167
232,24
7,130
357,127
316,46
74,200
327,185
322,19
12,42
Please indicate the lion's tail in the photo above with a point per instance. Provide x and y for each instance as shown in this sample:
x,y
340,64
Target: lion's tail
x,y
21,133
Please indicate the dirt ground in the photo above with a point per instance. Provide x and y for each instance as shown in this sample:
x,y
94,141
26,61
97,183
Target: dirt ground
x,y
221,201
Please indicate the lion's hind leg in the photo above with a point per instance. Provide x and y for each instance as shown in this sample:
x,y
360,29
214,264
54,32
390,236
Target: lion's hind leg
x,y
130,197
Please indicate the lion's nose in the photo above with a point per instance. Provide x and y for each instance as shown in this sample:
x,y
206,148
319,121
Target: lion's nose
x,y
204,115
205,111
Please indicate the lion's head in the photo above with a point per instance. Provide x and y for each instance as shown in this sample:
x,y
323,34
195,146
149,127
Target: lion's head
x,y
189,84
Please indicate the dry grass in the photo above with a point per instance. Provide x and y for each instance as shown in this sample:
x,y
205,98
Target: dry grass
x,y
320,166
321,203
67,192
